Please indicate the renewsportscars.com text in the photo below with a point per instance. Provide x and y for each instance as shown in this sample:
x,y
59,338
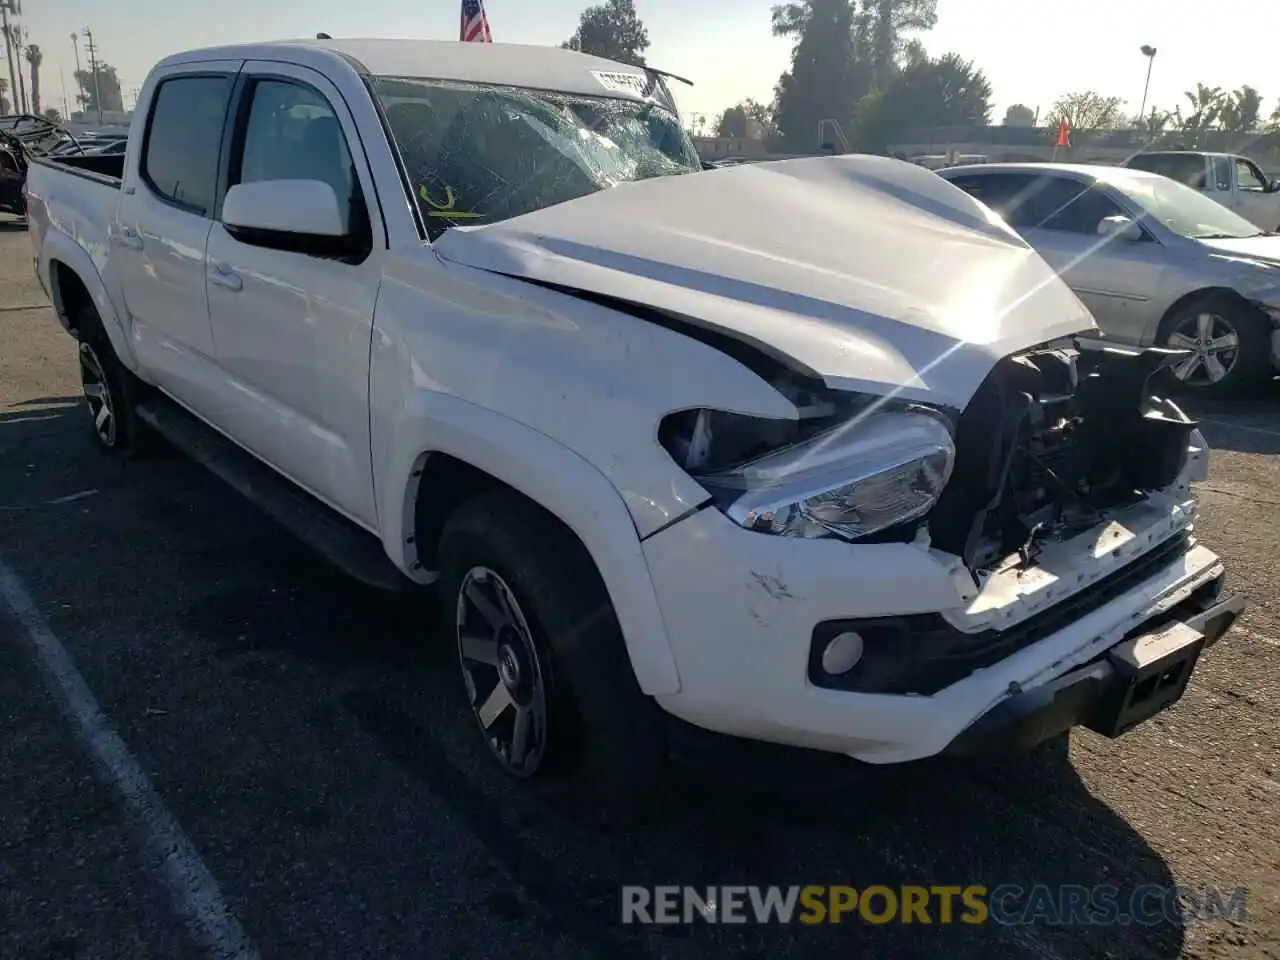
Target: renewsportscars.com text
x,y
1006,904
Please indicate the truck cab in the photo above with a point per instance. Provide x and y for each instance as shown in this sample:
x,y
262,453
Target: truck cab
x,y
1235,181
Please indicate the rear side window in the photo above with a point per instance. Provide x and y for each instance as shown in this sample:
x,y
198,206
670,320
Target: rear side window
x,y
1186,168
1005,193
180,162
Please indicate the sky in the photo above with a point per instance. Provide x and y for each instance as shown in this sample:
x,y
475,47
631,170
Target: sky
x,y
1032,52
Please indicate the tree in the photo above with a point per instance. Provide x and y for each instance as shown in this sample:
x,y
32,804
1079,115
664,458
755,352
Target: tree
x,y
53,116
1019,115
1085,110
732,123
736,120
826,80
1156,122
1207,104
1241,110
882,25
612,30
107,81
947,92
4,103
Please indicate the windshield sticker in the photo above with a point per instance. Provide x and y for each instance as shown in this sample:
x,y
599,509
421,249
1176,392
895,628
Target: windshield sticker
x,y
636,84
449,208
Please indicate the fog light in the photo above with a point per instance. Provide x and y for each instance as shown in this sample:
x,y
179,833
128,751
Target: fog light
x,y
842,653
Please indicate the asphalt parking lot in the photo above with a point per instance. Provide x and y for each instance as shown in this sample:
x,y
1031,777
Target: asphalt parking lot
x,y
301,744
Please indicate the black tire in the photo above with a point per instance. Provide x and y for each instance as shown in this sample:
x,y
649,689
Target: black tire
x,y
602,737
111,387
1208,319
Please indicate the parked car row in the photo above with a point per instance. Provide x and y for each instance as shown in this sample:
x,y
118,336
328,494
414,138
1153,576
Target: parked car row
x,y
1156,262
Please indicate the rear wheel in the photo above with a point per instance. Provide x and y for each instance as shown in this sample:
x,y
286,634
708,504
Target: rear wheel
x,y
111,391
542,655
1229,343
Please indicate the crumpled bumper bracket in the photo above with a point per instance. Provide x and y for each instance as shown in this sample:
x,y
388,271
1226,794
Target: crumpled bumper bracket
x,y
1131,682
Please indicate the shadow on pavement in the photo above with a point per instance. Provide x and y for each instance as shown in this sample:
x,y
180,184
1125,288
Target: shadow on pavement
x,y
315,741
1246,425
1024,821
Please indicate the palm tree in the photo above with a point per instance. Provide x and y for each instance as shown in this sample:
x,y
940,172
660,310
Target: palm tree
x,y
35,58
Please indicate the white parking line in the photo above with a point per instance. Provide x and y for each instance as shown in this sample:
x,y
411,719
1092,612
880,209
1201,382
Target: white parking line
x,y
187,880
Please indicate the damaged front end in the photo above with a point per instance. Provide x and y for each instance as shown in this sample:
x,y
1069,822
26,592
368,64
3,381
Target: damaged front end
x,y
1053,440
1057,441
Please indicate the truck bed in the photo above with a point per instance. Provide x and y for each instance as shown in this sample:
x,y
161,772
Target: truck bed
x,y
102,169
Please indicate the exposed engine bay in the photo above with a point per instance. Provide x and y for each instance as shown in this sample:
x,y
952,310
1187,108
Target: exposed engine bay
x,y
1052,438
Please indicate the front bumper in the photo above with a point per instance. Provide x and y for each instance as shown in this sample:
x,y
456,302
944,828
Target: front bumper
x,y
740,610
1106,695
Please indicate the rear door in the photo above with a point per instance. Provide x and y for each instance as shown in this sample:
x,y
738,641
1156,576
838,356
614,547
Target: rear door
x,y
294,330
163,223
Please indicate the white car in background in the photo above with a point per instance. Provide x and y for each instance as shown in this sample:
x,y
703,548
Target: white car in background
x,y
1234,181
1155,261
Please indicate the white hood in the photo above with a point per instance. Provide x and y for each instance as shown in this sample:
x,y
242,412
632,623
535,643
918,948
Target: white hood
x,y
872,273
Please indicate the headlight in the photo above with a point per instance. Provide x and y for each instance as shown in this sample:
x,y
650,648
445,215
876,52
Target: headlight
x,y
852,481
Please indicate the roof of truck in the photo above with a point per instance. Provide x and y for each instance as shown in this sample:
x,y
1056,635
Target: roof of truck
x,y
514,64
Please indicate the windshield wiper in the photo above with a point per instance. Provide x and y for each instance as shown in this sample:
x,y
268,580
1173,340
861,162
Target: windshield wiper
x,y
1230,236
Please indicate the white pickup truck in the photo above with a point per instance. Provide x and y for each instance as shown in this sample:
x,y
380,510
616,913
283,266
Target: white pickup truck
x,y
816,452
1234,181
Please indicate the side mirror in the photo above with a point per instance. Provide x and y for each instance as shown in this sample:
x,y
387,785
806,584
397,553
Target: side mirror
x,y
1121,228
298,215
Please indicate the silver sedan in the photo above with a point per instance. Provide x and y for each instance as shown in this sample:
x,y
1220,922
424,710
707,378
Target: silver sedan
x,y
1155,261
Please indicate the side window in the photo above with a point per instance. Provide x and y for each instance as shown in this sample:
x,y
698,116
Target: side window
x,y
180,162
1186,168
292,133
1075,207
1004,193
1248,177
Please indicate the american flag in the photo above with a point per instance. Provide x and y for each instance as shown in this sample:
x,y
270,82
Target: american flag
x,y
475,24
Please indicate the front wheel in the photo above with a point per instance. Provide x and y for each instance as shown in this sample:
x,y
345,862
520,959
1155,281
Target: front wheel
x,y
543,659
1229,343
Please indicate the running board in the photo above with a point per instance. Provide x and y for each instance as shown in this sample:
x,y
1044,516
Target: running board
x,y
344,544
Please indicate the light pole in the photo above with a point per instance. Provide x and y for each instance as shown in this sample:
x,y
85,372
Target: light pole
x,y
80,100
7,7
97,78
1149,52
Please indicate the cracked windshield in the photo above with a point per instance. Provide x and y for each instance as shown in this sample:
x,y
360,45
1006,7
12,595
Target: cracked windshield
x,y
598,479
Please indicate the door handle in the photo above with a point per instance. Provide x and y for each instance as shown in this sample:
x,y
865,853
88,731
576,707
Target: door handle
x,y
129,238
224,276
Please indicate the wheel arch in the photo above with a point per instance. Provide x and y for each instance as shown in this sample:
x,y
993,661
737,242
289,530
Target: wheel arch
x,y
1203,293
74,282
444,451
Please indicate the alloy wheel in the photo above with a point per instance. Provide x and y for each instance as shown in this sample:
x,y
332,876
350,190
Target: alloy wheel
x,y
503,671
1214,344
93,380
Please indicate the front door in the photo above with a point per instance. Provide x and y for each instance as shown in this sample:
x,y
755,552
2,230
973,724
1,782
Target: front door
x,y
293,331
165,215
1116,278
1256,205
